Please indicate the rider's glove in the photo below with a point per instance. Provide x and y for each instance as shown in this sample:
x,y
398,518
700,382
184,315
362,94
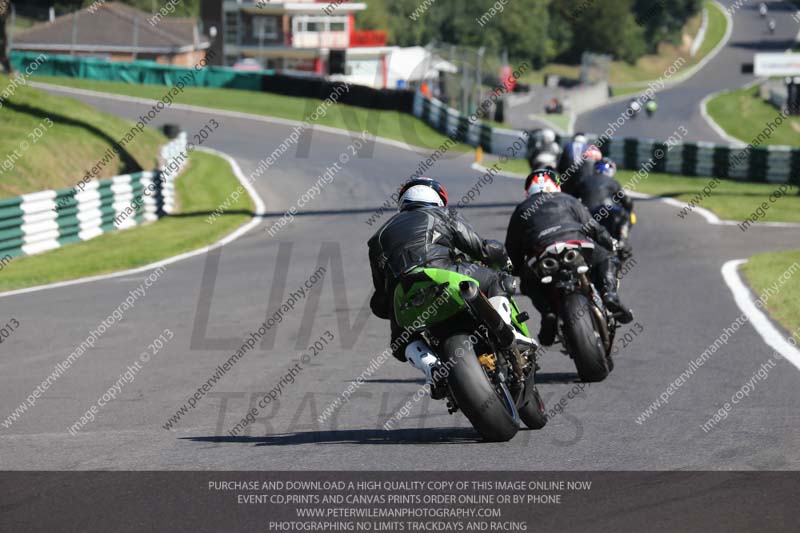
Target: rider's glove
x,y
625,250
496,256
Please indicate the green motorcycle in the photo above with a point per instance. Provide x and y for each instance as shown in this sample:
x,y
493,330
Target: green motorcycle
x,y
487,360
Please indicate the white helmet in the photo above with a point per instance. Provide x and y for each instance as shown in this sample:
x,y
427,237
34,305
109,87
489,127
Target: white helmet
x,y
548,136
580,138
546,160
422,192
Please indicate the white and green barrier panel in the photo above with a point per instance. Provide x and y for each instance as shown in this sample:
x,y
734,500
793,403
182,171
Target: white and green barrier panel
x,y
139,72
173,158
773,164
41,221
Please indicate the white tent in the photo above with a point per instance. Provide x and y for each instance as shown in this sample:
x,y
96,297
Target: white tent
x,y
404,67
414,64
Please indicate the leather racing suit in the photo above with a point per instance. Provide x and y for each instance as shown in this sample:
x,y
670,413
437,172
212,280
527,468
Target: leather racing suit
x,y
431,237
546,218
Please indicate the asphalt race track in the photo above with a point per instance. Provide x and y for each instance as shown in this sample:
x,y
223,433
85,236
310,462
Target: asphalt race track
x,y
679,296
680,104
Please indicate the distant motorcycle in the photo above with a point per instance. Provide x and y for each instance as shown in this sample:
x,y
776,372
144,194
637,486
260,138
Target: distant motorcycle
x,y
762,9
554,106
650,108
543,151
586,328
635,108
771,26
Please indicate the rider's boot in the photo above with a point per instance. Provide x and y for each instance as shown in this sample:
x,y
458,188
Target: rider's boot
x,y
548,329
608,273
420,355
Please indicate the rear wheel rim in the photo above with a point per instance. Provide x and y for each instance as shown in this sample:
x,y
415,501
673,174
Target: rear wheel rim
x,y
505,397
508,402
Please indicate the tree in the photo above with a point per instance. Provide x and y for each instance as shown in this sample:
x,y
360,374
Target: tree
x,y
535,30
605,27
663,22
5,11
521,27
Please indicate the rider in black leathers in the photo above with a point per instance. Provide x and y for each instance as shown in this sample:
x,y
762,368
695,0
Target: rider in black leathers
x,y
577,164
602,189
606,198
549,217
543,143
426,233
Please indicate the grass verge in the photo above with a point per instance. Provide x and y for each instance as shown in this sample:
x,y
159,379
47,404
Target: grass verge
x,y
560,120
51,142
389,124
205,184
743,114
629,79
761,271
626,90
731,200
626,79
21,24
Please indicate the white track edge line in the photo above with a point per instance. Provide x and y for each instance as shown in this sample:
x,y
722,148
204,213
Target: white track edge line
x,y
483,170
760,321
739,143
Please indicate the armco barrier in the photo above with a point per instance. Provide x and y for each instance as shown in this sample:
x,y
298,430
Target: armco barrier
x,y
41,221
773,164
355,95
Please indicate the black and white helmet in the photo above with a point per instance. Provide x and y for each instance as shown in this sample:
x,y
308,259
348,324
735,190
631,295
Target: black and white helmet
x,y
422,192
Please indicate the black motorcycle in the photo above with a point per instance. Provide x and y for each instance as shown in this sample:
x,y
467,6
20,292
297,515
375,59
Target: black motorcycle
x,y
586,328
618,222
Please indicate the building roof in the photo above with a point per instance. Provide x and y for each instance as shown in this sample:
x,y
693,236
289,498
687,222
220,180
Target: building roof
x,y
113,27
304,7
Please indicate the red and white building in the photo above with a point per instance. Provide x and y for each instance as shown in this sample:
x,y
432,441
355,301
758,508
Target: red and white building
x,y
303,37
